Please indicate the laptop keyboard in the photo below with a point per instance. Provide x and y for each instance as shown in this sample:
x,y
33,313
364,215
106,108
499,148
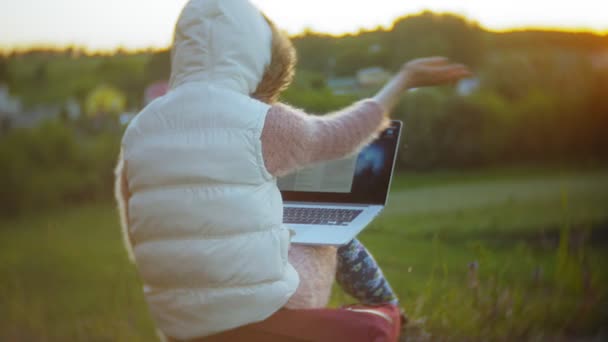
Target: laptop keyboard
x,y
321,216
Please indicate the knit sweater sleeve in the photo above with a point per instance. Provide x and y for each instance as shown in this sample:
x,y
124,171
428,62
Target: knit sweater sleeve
x,y
292,139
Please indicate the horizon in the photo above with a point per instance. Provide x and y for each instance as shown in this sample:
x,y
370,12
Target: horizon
x,y
137,33
61,47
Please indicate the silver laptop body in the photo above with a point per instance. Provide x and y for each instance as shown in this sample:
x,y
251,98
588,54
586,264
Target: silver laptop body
x,y
331,202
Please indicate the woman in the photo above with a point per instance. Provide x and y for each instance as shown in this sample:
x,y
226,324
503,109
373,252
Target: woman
x,y
196,179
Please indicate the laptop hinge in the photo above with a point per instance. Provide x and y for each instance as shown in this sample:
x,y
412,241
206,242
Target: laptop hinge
x,y
356,205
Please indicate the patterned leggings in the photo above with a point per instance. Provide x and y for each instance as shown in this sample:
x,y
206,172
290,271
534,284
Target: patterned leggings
x,y
360,276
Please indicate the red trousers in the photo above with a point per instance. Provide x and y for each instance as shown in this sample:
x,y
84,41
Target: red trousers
x,y
355,323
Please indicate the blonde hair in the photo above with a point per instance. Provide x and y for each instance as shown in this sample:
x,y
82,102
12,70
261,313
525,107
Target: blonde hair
x,y
279,74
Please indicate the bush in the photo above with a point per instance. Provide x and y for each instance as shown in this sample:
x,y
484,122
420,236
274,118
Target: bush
x,y
52,165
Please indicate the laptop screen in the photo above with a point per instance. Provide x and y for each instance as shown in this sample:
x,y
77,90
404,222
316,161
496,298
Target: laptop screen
x,y
363,178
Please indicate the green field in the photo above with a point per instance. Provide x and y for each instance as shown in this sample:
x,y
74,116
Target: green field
x,y
538,237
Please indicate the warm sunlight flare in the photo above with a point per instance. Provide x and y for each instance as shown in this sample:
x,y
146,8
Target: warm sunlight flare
x,y
138,23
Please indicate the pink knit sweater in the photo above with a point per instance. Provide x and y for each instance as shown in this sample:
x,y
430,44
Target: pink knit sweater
x,y
292,139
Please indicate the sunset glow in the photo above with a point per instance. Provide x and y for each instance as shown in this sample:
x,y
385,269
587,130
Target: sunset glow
x,y
139,24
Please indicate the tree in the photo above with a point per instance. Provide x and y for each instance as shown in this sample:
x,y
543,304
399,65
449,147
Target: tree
x,y
4,74
431,34
158,67
126,73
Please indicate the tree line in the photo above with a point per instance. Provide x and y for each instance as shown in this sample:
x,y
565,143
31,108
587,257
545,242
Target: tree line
x,y
542,98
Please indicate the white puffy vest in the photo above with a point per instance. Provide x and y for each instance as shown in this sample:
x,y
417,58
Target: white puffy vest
x,y
205,216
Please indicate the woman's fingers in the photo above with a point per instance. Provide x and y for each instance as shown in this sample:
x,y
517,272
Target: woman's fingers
x,y
449,73
436,61
458,71
434,71
427,62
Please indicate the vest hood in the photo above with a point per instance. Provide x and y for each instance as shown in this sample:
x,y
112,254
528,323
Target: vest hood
x,y
224,42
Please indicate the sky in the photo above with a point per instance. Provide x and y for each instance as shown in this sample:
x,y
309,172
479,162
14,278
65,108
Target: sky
x,y
133,24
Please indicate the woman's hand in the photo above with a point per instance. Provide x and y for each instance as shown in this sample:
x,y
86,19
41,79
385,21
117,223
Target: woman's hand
x,y
420,72
432,71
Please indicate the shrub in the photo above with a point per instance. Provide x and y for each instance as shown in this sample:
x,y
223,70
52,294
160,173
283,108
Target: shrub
x,y
53,165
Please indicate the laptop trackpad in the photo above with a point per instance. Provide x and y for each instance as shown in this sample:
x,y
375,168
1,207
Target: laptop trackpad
x,y
319,236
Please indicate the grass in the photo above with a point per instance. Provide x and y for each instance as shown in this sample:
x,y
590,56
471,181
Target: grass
x,y
65,277
536,240
493,255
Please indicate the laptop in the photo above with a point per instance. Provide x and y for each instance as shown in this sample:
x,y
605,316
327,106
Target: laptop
x,y
331,202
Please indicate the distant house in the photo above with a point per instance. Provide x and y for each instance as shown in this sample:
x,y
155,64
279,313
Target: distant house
x,y
467,86
372,77
32,117
374,48
10,107
343,85
155,90
364,80
13,115
105,100
72,109
599,60
8,103
126,117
